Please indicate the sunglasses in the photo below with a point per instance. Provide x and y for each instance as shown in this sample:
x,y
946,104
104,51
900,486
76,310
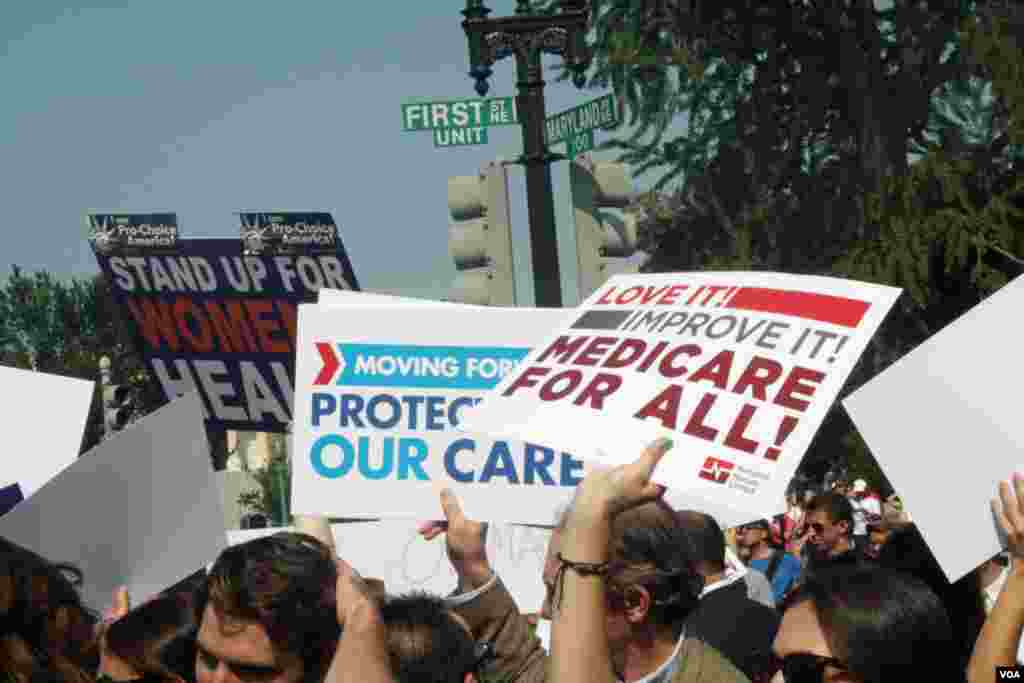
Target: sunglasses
x,y
804,667
483,653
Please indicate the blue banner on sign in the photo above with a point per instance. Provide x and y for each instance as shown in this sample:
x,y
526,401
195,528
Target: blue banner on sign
x,y
426,367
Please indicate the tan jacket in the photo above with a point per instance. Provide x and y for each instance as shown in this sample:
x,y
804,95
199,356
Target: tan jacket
x,y
519,656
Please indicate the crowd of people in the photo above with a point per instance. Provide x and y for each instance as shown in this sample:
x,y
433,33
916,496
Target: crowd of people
x,y
842,587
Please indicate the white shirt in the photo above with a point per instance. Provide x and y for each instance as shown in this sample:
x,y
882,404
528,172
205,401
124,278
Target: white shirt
x,y
862,507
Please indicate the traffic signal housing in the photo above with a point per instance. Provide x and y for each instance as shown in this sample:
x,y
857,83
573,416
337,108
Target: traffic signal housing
x,y
118,406
480,238
606,236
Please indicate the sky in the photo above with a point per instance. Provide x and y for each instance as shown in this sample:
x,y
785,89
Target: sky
x,y
207,108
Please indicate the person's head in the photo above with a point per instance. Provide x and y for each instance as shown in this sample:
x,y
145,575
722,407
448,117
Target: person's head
x,y
426,642
157,638
842,487
266,612
652,583
754,534
906,551
705,541
829,523
860,488
858,625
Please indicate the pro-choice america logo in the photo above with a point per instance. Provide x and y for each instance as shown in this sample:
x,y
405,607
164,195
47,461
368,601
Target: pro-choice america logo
x,y
110,232
288,230
423,367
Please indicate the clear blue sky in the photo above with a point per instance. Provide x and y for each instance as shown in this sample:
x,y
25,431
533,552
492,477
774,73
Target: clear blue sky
x,y
205,108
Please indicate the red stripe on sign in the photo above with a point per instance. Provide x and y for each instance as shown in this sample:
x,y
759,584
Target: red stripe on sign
x,y
825,308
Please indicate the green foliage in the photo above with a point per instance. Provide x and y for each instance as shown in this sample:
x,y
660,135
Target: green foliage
x,y
64,328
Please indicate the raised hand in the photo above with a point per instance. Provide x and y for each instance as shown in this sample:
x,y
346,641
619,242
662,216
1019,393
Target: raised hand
x,y
1009,511
607,492
466,542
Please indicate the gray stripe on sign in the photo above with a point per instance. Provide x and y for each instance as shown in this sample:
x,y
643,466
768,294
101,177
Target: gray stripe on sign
x,y
601,320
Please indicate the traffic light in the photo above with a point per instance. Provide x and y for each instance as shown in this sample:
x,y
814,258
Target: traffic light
x,y
604,238
480,239
254,520
118,406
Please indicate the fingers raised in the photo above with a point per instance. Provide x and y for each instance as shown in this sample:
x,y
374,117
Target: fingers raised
x,y
451,507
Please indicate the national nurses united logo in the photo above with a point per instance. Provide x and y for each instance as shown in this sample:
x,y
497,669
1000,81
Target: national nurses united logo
x,y
717,470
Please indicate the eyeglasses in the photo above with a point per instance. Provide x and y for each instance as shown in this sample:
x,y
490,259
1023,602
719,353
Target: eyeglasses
x,y
804,667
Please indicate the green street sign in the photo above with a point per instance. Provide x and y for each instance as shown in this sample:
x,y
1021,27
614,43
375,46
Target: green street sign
x,y
459,137
600,113
578,144
471,113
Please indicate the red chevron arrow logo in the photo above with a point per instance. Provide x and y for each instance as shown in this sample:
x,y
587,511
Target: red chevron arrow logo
x,y
330,361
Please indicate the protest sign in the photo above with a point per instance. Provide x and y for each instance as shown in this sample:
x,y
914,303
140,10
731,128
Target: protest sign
x,y
380,391
220,320
678,499
738,369
394,552
142,509
944,424
37,447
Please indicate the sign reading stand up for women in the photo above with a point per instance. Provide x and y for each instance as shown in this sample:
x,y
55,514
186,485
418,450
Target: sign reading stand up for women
x,y
738,369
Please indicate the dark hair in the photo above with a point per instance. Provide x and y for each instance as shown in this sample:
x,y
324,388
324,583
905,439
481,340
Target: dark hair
x,y
906,551
836,506
158,638
884,626
41,591
705,539
286,583
649,548
425,643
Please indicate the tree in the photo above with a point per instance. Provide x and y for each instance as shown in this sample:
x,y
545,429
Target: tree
x,y
274,480
879,141
64,328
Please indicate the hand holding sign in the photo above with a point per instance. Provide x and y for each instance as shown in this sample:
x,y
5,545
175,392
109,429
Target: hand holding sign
x,y
607,492
1009,511
466,540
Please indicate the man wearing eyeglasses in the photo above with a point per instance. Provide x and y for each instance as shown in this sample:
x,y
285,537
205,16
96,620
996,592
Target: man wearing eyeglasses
x,y
829,525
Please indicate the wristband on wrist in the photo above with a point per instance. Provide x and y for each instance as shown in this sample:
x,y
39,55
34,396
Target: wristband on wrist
x,y
599,569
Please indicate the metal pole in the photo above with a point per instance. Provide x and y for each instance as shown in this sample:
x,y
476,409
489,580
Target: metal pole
x,y
104,383
547,278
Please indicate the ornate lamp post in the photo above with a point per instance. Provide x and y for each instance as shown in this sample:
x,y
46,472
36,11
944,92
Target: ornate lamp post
x,y
527,37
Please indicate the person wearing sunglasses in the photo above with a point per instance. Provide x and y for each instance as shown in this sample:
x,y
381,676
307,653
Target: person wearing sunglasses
x,y
857,624
829,525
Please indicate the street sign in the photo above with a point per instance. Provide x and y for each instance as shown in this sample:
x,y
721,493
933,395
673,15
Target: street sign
x,y
471,113
578,144
459,137
600,113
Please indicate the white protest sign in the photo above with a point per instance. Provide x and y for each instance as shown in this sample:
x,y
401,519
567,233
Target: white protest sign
x,y
680,500
393,552
944,422
44,418
379,394
738,369
142,509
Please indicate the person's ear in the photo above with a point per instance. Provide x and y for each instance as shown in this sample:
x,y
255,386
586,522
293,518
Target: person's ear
x,y
470,678
636,604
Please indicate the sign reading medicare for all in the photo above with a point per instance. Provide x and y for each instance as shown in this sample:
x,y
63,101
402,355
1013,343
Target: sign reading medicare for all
x,y
364,391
